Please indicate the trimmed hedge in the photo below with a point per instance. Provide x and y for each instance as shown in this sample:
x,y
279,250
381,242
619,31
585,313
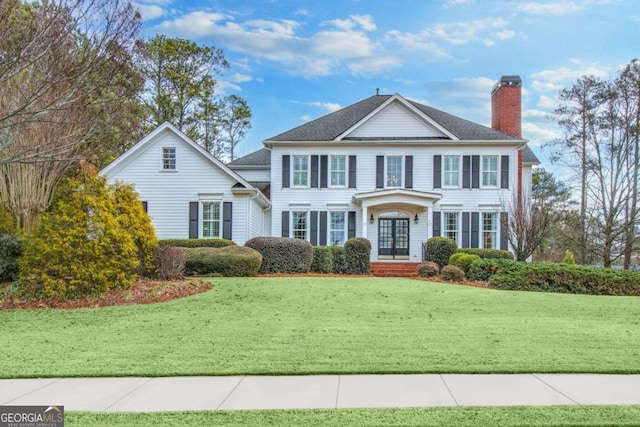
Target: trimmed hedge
x,y
282,254
428,269
322,259
196,243
487,253
10,252
228,261
483,269
338,260
440,249
463,261
566,278
452,273
357,253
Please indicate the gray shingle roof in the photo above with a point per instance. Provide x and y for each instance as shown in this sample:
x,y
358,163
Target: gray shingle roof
x,y
328,127
261,157
528,155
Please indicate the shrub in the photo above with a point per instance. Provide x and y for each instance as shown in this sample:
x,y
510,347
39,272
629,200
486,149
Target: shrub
x,y
487,253
463,261
452,273
428,269
322,260
568,257
135,221
338,260
440,249
79,248
282,254
197,243
170,262
7,222
483,269
10,252
228,261
357,254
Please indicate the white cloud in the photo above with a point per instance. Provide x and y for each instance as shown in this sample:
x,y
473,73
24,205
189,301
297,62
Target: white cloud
x,y
150,11
241,78
306,118
416,42
539,134
302,12
559,78
546,8
364,22
547,102
330,107
452,3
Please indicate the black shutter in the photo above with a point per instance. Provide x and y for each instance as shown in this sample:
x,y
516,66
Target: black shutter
x,y
351,225
313,227
465,229
504,224
408,171
324,168
466,171
352,172
193,220
437,171
379,171
475,229
436,224
323,228
475,171
145,206
285,224
314,171
286,172
504,172
227,214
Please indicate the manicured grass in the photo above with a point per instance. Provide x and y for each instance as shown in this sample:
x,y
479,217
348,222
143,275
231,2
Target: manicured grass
x,y
503,416
318,325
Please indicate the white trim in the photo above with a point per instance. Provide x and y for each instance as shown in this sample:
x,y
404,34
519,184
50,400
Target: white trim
x,y
444,171
402,170
175,158
293,171
201,218
497,172
330,171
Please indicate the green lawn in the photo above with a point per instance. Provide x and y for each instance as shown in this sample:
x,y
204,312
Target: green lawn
x,y
504,417
328,325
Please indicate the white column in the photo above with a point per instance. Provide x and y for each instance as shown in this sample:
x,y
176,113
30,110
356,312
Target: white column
x,y
365,220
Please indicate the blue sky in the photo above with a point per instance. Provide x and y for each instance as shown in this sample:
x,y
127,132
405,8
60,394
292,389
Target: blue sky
x,y
294,61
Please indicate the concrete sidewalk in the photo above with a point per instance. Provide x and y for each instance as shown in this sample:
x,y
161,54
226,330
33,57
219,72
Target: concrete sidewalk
x,y
137,394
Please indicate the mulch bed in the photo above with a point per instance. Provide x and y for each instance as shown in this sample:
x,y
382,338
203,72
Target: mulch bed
x,y
144,291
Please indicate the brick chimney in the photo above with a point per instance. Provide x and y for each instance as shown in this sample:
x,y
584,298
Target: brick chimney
x,y
506,114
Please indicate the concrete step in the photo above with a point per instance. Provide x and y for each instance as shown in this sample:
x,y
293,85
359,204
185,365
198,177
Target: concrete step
x,y
394,269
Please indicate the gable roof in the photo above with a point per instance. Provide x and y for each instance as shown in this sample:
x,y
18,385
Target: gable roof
x,y
262,157
138,148
334,125
528,156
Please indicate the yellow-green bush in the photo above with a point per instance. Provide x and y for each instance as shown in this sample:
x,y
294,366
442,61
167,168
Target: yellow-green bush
x,y
7,222
80,247
228,261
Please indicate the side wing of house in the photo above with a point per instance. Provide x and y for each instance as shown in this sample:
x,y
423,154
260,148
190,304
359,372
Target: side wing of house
x,y
187,192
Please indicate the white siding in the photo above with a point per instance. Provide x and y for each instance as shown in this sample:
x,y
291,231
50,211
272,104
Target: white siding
x,y
254,174
392,122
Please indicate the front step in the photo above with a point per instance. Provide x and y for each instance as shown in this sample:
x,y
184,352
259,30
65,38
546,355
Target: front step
x,y
394,269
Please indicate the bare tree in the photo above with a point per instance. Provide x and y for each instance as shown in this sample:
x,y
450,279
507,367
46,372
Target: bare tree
x,y
527,225
235,119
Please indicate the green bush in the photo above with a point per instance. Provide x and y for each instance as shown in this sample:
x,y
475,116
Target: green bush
x,y
10,252
171,262
463,261
338,260
357,254
487,253
80,247
428,269
322,260
197,243
452,273
483,268
7,222
440,249
568,257
228,261
566,278
282,254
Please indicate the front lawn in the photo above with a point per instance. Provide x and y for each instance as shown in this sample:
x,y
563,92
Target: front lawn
x,y
316,325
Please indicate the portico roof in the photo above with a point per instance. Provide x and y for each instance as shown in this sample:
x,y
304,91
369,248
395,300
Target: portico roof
x,y
396,196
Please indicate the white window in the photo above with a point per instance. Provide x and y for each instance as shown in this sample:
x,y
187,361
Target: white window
x,y
211,220
451,171
300,171
337,228
394,171
168,158
489,171
338,166
299,225
451,226
489,230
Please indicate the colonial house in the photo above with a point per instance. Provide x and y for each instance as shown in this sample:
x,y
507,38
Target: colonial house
x,y
391,170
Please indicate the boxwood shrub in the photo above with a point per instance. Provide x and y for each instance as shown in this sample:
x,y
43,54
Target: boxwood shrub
x,y
462,260
483,268
282,254
10,251
566,278
228,261
196,243
487,253
452,273
428,269
338,260
440,249
357,254
322,260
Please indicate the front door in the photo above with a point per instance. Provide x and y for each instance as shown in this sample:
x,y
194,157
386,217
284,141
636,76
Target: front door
x,y
393,238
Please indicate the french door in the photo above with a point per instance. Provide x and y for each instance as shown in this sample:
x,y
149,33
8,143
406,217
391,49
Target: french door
x,y
393,237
